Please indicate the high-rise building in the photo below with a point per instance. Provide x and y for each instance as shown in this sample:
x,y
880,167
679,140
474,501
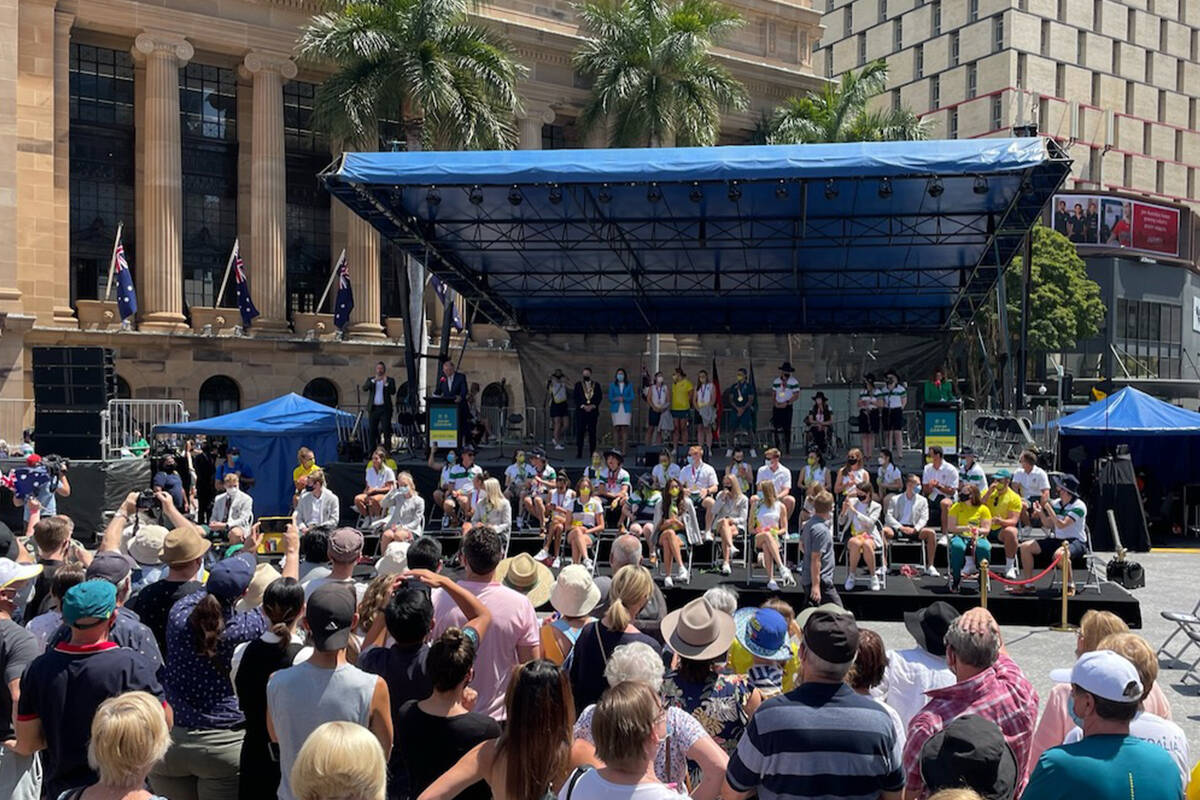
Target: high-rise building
x,y
1113,80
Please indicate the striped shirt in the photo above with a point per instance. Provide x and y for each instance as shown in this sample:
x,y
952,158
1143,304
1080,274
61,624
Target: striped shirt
x,y
1001,693
820,740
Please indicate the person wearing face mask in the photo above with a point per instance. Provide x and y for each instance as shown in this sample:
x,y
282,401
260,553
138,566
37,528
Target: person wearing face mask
x,y
730,510
658,398
970,522
674,516
233,510
586,522
887,475
539,488
814,469
852,474
613,486
407,518
517,476
740,471
781,478
860,524
556,397
587,412
620,405
704,401
233,464
167,479
894,396
664,470
741,400
594,469
560,505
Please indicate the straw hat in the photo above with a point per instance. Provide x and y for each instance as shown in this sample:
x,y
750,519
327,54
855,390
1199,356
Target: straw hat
x,y
575,594
698,631
146,546
531,578
394,560
264,576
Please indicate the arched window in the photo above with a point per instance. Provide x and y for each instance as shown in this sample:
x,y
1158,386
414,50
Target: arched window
x,y
123,390
219,395
495,395
322,390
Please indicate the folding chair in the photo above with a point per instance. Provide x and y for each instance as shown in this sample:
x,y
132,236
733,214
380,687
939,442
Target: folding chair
x,y
1185,623
1092,579
750,553
880,550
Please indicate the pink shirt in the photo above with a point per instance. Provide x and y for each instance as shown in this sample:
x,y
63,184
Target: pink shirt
x,y
514,624
1056,720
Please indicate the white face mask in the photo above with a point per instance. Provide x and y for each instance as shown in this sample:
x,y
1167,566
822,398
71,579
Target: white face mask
x,y
232,491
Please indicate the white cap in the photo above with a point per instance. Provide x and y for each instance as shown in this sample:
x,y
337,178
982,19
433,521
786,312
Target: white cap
x,y
1104,674
394,559
13,572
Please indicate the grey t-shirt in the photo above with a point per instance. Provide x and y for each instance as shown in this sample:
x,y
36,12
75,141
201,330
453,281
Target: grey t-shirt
x,y
816,535
18,649
302,698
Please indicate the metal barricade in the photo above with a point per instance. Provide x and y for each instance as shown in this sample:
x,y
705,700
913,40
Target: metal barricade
x,y
122,419
15,416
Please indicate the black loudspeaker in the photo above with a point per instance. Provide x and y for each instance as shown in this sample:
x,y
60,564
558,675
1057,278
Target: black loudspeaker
x,y
73,377
71,434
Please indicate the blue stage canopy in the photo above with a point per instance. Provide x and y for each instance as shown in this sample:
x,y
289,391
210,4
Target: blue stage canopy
x,y
1130,412
880,236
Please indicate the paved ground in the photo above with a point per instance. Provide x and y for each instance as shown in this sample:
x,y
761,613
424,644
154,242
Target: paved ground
x,y
1171,584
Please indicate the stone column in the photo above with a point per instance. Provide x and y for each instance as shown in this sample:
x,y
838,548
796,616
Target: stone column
x,y
530,126
268,191
64,315
159,272
10,296
362,253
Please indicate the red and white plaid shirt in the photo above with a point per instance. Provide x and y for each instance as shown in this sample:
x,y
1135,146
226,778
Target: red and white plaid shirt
x,y
1000,693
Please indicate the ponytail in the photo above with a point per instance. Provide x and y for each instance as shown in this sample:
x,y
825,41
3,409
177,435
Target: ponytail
x,y
283,600
207,623
617,617
631,588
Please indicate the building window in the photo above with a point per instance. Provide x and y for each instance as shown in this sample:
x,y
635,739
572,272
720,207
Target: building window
x,y
954,49
1159,178
1021,67
323,391
998,32
935,92
101,164
997,113
936,17
1096,166
554,137
972,10
1149,66
219,395
898,34
952,124
308,258
972,80
209,157
862,49
895,99
883,10
849,17
919,61
1148,338
1060,80
1062,11
1044,48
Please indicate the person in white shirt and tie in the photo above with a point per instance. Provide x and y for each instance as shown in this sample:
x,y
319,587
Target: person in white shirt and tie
x,y
233,509
380,389
318,508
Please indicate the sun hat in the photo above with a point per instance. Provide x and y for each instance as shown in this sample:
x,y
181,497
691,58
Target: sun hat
x,y
575,593
330,614
970,752
1068,482
786,367
523,574
394,559
1105,674
95,600
698,631
615,453
833,637
929,625
146,545
264,576
184,544
345,545
229,579
14,572
763,632
829,608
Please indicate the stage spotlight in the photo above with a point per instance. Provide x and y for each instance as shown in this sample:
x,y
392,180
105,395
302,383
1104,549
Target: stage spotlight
x,y
555,193
695,194
735,192
514,196
605,195
476,196
433,197
831,190
935,187
885,188
653,193
981,185
781,191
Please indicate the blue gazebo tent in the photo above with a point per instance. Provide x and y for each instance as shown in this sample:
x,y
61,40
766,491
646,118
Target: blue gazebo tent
x,y
269,435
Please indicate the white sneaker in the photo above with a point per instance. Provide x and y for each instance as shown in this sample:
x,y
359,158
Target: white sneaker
x,y
874,584
969,566
681,575
558,446
668,583
542,555
772,586
931,571
557,563
728,453
588,564
753,453
445,523
725,568
708,537
788,578
1010,572
849,584
733,550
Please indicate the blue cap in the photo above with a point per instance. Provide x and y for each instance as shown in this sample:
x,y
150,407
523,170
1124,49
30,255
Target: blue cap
x,y
229,579
763,632
95,599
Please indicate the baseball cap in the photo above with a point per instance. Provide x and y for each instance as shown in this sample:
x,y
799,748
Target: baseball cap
x,y
1002,473
833,637
330,613
1104,674
228,580
832,608
93,599
111,566
345,545
14,572
33,460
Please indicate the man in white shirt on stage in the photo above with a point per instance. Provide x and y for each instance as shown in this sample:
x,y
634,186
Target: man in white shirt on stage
x,y
699,480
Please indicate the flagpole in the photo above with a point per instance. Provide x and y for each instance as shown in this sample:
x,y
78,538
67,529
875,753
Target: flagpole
x,y
225,279
112,261
325,293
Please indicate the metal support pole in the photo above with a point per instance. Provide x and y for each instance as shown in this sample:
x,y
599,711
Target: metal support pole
x,y
411,351
1002,349
1023,336
655,352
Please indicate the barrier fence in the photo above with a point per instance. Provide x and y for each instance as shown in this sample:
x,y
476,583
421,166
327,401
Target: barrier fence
x,y
125,421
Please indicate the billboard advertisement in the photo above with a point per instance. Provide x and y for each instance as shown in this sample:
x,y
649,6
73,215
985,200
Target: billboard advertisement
x,y
1107,221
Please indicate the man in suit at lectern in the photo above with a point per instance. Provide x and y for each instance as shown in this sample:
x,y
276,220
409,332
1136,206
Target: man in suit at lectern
x,y
453,384
380,389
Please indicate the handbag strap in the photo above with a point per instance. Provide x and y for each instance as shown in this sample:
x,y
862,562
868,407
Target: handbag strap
x,y
600,642
575,776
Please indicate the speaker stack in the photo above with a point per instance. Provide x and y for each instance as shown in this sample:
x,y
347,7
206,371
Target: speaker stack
x,y
71,386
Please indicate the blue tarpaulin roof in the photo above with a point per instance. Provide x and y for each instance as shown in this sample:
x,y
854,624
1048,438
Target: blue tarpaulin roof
x,y
269,436
787,238
1133,412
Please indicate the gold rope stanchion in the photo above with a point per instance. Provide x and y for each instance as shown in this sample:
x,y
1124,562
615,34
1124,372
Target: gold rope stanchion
x,y
1065,553
984,580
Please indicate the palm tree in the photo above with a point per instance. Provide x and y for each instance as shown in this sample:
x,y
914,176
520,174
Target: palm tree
x,y
447,81
840,113
654,76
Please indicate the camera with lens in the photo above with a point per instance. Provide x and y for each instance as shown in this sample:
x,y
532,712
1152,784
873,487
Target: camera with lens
x,y
146,501
55,465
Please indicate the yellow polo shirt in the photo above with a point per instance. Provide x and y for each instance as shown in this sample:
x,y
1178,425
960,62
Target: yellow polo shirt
x,y
681,395
304,472
1002,505
967,514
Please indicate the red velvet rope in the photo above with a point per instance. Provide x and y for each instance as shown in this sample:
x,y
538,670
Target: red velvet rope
x,y
1035,578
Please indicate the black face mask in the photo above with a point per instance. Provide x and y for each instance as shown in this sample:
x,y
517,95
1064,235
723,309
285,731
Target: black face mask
x,y
168,468
964,497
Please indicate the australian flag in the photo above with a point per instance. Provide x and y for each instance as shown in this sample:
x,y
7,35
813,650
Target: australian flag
x,y
245,304
126,296
343,304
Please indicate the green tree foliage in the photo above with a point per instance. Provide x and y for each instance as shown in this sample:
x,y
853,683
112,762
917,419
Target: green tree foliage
x,y
449,82
840,112
1064,303
654,77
